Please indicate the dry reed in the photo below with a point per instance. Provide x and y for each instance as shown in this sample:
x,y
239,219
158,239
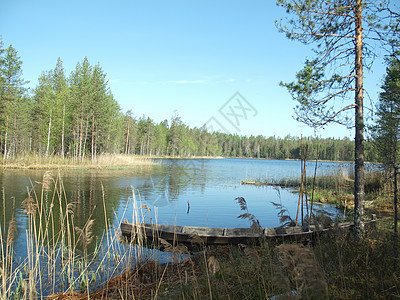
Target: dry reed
x,y
299,276
54,265
103,161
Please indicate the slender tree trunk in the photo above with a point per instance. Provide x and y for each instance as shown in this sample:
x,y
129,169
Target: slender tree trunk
x,y
93,136
148,142
7,111
359,130
95,142
48,136
13,145
395,198
305,182
76,136
62,133
86,135
313,186
5,140
81,133
300,203
127,137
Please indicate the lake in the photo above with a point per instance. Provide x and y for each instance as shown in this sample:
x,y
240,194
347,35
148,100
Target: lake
x,y
192,192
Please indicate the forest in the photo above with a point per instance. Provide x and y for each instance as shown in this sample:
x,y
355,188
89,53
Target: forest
x,y
77,116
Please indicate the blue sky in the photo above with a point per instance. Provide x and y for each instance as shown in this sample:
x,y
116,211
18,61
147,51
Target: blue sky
x,y
174,57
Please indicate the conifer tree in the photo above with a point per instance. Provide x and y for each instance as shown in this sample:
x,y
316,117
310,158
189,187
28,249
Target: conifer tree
x,y
338,29
13,91
386,132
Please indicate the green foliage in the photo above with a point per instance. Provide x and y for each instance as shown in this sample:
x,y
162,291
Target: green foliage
x,y
386,130
13,100
332,73
77,116
339,31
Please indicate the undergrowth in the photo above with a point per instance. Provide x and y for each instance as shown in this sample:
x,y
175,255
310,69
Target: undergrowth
x,y
335,266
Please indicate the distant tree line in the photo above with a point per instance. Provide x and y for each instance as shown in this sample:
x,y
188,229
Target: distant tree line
x,y
77,116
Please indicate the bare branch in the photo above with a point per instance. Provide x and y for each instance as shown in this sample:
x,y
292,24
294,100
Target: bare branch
x,y
325,100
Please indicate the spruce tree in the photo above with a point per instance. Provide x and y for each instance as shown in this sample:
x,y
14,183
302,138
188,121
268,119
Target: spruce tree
x,y
387,129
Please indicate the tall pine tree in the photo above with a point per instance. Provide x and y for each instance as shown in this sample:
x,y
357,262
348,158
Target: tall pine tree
x,y
13,93
338,29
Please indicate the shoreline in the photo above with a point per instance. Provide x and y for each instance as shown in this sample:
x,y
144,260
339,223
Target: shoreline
x,y
110,161
104,161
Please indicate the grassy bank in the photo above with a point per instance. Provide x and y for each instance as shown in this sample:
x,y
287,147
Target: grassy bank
x,y
338,189
104,161
333,267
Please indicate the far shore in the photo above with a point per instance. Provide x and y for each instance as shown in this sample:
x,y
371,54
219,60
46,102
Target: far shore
x,y
180,157
109,161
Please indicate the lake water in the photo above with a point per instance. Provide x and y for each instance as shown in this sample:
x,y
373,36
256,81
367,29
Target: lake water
x,y
192,192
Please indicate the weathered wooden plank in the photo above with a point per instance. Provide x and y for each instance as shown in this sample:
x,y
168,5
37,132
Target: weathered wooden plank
x,y
243,232
221,236
203,231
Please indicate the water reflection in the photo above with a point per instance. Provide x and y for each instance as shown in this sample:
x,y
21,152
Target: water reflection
x,y
208,186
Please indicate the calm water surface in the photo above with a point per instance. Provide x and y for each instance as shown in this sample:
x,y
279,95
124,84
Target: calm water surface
x,y
208,186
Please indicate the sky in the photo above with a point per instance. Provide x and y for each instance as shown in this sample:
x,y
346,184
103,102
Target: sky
x,y
213,63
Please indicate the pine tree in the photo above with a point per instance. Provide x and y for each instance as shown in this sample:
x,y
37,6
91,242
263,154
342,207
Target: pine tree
x,y
13,91
81,94
60,84
51,96
337,30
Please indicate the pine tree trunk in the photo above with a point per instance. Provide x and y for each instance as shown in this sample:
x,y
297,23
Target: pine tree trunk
x,y
8,105
76,138
48,137
5,140
148,143
62,133
127,137
86,135
359,130
13,145
93,136
81,134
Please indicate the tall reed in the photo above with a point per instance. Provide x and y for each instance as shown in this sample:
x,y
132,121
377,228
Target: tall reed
x,y
58,259
103,161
